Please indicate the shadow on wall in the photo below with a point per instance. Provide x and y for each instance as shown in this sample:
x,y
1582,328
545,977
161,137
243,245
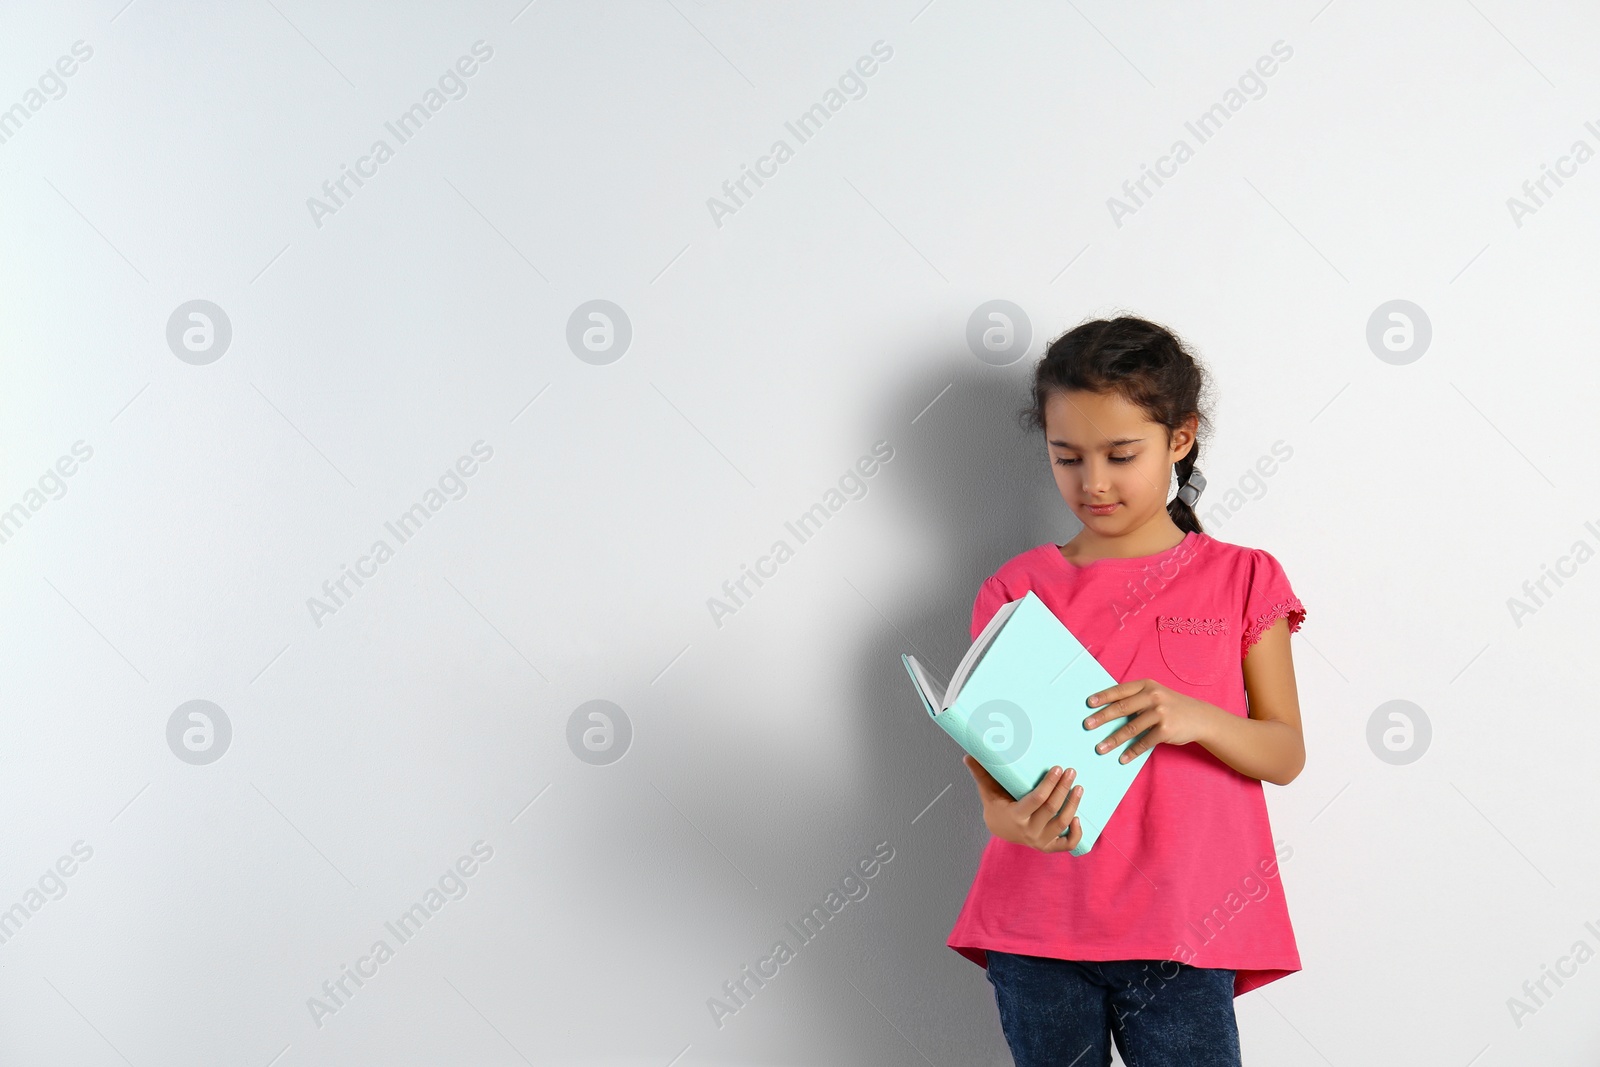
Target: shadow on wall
x,y
966,490
975,489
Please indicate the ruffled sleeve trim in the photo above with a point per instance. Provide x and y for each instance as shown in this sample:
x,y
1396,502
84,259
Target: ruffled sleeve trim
x,y
1289,608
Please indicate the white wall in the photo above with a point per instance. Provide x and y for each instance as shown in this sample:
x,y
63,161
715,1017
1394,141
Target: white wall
x,y
376,340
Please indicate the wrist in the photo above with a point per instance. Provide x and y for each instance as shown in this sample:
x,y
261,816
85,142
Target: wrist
x,y
1211,722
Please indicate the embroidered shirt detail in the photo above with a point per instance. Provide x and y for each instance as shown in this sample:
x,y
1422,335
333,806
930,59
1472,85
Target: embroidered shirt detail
x,y
1192,624
1290,609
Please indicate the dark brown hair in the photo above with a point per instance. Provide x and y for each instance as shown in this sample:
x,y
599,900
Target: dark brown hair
x,y
1142,362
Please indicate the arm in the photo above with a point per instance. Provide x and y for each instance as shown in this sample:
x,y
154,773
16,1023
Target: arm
x,y
1268,745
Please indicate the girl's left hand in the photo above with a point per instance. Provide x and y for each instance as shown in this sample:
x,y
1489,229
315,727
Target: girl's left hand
x,y
1161,714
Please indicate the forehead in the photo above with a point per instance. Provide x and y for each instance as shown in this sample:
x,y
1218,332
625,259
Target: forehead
x,y
1091,419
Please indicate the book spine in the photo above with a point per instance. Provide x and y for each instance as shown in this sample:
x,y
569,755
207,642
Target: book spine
x,y
955,721
1008,777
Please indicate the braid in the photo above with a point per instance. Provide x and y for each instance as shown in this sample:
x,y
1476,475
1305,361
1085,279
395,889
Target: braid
x,y
1182,511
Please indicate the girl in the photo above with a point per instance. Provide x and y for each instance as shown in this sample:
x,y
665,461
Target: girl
x,y
1177,909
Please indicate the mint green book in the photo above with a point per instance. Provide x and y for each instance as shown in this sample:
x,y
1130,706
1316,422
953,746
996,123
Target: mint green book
x,y
1017,704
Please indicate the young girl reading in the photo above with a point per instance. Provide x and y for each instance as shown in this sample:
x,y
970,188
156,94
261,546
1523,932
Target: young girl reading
x,y
1146,939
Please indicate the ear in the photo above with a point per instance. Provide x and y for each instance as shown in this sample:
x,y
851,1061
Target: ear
x,y
1183,438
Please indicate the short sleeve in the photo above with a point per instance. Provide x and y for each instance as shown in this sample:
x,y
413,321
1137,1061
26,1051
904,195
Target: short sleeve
x,y
1268,599
991,597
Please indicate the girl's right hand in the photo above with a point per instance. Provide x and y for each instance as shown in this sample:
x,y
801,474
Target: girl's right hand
x,y
1039,818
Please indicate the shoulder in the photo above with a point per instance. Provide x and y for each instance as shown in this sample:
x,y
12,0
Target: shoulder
x,y
1250,577
1012,580
1021,572
1244,558
1227,549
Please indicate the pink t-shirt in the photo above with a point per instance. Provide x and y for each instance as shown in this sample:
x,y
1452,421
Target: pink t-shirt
x,y
1185,869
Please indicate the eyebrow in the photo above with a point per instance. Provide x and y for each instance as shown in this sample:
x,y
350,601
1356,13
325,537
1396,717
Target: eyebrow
x,y
1112,444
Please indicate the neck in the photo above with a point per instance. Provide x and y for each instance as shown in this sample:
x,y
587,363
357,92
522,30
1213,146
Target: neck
x,y
1157,534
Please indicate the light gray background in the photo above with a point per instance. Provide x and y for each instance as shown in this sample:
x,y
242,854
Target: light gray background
x,y
769,353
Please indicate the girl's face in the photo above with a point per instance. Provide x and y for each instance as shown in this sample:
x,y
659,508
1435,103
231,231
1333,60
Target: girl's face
x,y
1104,451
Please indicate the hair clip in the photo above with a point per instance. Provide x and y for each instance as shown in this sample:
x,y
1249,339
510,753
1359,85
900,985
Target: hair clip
x,y
1192,487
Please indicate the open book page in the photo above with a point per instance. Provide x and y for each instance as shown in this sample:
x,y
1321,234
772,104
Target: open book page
x,y
969,662
930,689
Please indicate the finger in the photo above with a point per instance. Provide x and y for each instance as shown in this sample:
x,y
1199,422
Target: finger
x,y
1030,802
1070,810
1116,692
1069,841
1127,704
1114,710
1149,740
1041,816
987,786
1132,728
1062,815
986,781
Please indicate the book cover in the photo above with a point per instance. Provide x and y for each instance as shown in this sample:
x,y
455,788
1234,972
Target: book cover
x,y
1018,708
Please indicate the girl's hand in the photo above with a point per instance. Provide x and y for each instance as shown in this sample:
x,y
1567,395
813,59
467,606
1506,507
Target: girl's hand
x,y
1161,714
1037,820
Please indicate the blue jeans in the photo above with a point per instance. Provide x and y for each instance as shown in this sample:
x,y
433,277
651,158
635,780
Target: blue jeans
x,y
1161,1013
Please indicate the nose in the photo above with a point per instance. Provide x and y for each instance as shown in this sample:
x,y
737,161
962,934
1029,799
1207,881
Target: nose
x,y
1095,479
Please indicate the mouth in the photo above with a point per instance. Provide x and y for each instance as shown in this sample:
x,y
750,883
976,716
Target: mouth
x,y
1103,509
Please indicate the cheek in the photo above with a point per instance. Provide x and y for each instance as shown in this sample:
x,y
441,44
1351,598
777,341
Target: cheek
x,y
1140,481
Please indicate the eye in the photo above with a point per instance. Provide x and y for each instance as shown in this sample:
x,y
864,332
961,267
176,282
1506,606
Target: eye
x,y
1114,459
